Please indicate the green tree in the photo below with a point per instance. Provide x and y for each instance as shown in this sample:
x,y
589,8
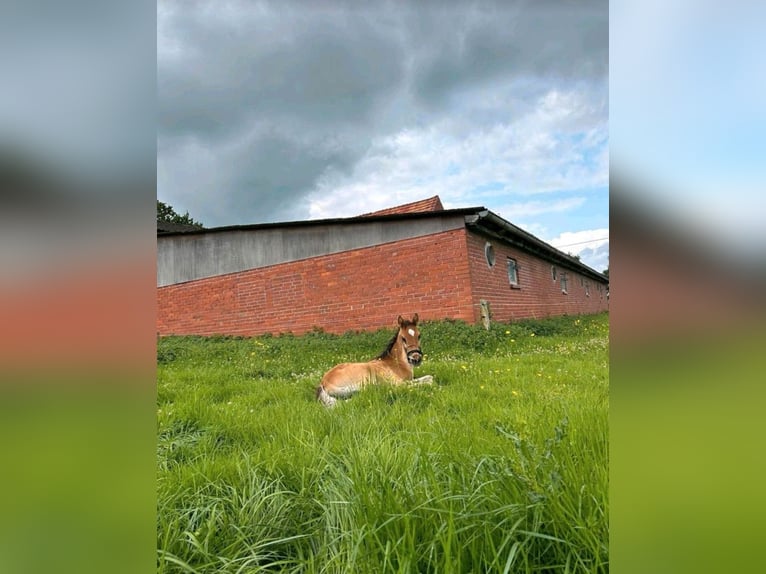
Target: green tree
x,y
606,272
166,213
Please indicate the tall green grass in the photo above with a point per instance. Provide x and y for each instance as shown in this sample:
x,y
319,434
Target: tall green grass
x,y
500,466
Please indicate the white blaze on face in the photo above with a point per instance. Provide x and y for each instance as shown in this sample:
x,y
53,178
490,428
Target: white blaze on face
x,y
411,332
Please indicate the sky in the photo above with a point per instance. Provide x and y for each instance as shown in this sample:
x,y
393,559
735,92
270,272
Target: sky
x,y
296,110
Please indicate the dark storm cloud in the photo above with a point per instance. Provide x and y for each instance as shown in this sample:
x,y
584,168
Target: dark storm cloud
x,y
316,67
567,40
282,166
278,94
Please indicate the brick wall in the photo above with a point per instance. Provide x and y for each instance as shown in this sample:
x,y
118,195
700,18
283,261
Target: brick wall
x,y
537,295
358,289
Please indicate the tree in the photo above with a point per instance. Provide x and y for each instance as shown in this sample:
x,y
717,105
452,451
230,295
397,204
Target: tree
x,y
606,272
166,213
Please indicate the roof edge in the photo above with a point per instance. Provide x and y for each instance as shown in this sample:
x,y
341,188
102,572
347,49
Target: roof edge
x,y
491,223
465,211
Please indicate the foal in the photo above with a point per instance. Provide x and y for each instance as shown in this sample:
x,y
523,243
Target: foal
x,y
394,366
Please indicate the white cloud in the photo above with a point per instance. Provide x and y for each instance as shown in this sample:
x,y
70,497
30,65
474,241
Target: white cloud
x,y
558,145
596,258
594,237
592,245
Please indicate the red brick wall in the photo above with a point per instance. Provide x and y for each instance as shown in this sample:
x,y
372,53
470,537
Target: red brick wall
x,y
538,294
359,289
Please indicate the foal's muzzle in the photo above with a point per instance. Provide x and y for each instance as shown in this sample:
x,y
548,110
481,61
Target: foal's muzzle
x,y
415,357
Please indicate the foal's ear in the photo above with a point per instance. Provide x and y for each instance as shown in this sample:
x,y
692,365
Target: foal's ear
x,y
400,320
415,319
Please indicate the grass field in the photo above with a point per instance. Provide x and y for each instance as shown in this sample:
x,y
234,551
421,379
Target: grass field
x,y
500,466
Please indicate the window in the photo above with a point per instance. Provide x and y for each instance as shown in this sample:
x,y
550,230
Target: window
x,y
513,272
587,288
564,283
489,253
553,272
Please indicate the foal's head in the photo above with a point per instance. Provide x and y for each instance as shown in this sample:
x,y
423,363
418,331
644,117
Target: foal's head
x,y
409,337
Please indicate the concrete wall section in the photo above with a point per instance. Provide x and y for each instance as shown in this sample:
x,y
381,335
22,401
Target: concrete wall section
x,y
537,293
361,289
188,257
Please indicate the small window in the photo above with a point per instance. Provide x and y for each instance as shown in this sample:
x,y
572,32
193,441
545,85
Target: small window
x,y
489,253
564,283
587,288
553,272
513,272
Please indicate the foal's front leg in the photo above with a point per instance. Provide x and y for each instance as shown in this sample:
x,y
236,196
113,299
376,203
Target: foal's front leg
x,y
424,380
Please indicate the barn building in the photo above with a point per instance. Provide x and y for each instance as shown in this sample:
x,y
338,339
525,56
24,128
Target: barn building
x,y
359,273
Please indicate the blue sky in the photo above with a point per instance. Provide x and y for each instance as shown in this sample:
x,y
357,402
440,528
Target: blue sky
x,y
289,111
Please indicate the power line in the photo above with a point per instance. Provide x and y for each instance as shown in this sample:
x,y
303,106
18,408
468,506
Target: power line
x,y
581,242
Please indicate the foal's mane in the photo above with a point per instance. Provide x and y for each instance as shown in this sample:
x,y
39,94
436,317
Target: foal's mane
x,y
389,347
387,351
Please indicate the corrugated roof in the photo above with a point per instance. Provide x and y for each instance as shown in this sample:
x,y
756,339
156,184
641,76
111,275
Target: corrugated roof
x,y
314,222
